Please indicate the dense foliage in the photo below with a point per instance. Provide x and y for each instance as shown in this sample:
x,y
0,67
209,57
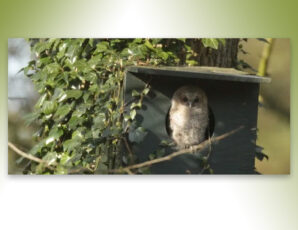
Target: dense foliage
x,y
80,110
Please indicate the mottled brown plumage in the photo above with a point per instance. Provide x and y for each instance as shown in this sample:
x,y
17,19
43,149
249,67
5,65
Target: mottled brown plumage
x,y
188,116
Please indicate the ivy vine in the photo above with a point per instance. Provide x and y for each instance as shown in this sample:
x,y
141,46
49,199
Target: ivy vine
x,y
80,111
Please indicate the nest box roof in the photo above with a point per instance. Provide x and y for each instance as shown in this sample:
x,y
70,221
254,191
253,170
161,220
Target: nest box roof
x,y
212,73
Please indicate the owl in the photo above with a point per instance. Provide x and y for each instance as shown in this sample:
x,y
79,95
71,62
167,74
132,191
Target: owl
x,y
188,116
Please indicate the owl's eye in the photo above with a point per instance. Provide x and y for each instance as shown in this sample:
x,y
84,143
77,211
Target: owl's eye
x,y
184,99
196,100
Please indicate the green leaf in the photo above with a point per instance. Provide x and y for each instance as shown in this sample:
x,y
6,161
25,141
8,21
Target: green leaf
x,y
135,93
26,70
133,114
56,132
146,91
49,107
44,61
137,135
74,122
76,93
191,62
210,42
95,60
80,110
77,135
102,46
82,66
60,170
59,94
49,140
182,39
99,121
50,157
62,49
86,96
65,159
52,68
74,48
62,111
37,148
149,45
126,118
163,55
71,144
41,46
164,143
93,88
30,118
136,105
138,40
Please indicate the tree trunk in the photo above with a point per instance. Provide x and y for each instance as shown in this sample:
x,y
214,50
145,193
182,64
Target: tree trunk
x,y
224,56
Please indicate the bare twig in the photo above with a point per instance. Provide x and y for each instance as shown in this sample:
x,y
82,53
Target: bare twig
x,y
40,161
128,171
28,156
128,149
178,153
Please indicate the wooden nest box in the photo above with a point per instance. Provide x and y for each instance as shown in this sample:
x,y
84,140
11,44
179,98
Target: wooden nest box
x,y
232,100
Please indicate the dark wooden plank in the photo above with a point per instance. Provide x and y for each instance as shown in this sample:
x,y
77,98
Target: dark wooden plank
x,y
212,73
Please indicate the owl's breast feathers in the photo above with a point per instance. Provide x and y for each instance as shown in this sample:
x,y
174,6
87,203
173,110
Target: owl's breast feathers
x,y
185,117
188,125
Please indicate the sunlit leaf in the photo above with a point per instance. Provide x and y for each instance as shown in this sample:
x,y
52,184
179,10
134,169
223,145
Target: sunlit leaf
x,y
49,107
133,114
50,157
210,42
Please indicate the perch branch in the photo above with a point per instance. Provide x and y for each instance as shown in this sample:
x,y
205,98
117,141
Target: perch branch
x,y
178,153
28,156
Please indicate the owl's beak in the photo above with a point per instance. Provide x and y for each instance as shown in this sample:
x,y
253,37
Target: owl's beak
x,y
189,104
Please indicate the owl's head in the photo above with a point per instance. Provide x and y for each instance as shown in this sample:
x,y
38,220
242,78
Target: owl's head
x,y
190,96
